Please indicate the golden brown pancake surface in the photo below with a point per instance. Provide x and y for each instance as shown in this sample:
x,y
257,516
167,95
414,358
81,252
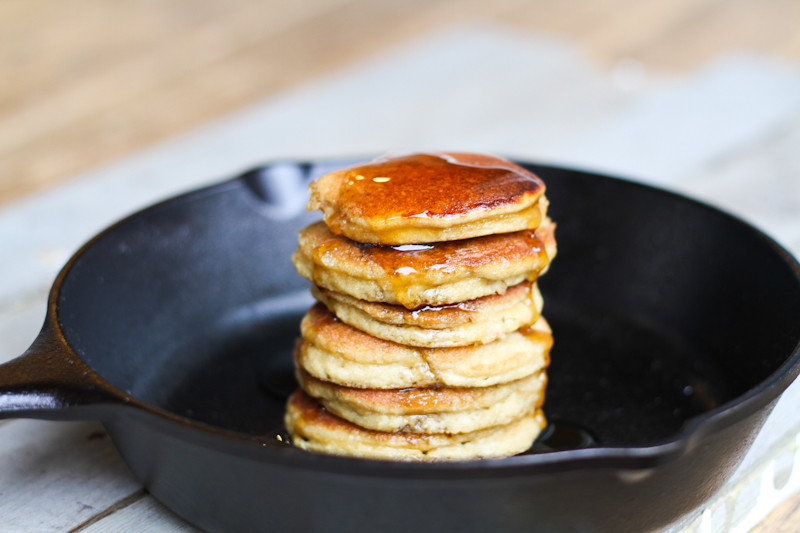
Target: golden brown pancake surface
x,y
429,409
334,351
431,274
474,321
428,197
313,428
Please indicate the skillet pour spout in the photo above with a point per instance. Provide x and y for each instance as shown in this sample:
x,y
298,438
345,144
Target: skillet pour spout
x,y
676,330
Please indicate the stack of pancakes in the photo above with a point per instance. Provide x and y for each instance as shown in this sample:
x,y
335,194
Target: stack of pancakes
x,y
427,341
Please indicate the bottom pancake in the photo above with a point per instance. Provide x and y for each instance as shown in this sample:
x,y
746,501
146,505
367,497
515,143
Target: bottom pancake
x,y
313,428
429,409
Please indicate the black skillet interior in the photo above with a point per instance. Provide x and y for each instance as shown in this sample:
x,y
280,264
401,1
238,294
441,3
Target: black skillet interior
x,y
662,308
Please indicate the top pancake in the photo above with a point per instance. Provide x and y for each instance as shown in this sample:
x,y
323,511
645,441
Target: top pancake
x,y
430,197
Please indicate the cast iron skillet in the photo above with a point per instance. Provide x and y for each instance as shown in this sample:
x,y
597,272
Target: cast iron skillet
x,y
676,329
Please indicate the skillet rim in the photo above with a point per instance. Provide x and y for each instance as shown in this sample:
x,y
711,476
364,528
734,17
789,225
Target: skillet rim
x,y
727,414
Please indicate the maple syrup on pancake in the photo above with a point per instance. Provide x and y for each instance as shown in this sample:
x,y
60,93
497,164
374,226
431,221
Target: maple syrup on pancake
x,y
405,265
435,186
439,186
538,336
534,302
319,317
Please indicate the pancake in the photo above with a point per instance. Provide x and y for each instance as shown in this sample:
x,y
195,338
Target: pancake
x,y
334,351
428,409
475,321
314,429
431,274
428,197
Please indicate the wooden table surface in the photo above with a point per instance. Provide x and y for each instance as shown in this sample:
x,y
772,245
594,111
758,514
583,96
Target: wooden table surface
x,y
86,82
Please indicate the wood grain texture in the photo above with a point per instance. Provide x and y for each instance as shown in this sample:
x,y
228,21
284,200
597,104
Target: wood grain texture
x,y
50,456
784,519
87,81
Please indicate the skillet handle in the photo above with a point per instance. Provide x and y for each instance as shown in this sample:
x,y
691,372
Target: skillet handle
x,y
49,381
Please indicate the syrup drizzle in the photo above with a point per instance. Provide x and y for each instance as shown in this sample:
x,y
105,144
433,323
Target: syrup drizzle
x,y
433,186
407,270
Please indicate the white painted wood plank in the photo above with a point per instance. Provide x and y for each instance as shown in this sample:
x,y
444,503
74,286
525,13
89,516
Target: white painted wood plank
x,y
20,321
56,475
139,517
669,133
760,184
